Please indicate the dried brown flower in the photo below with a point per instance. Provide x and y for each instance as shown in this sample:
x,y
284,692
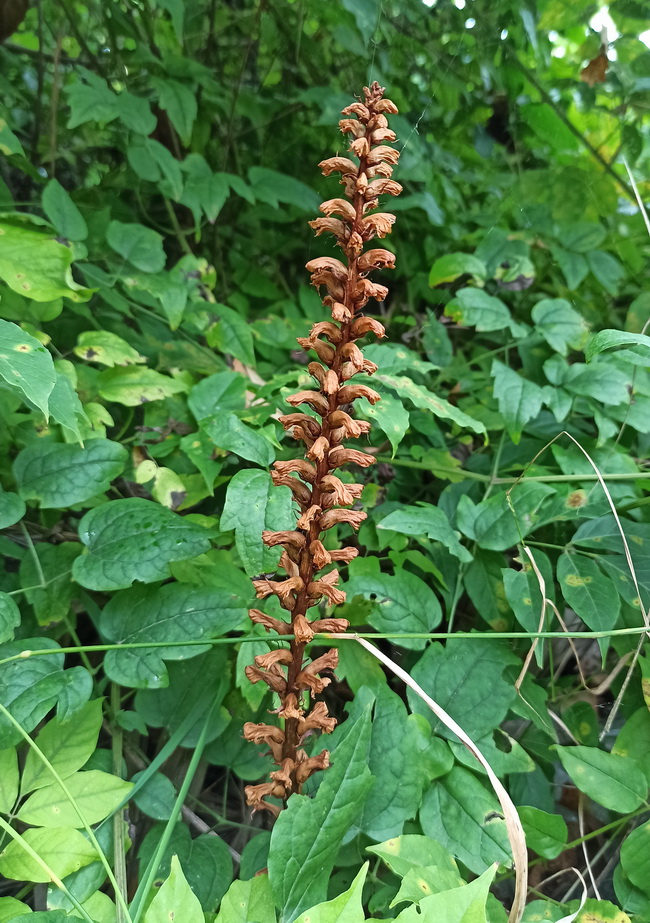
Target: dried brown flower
x,y
318,492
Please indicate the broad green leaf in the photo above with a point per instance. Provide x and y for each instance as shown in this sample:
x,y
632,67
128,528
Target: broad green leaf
x,y
12,508
179,101
34,264
607,269
29,686
635,857
140,246
10,907
450,267
222,391
254,504
175,900
633,740
9,617
573,265
51,602
548,126
173,612
9,143
590,593
228,432
472,307
466,904
157,796
519,400
425,400
232,334
582,236
407,853
273,187
484,584
613,781
391,417
91,102
545,833
63,213
59,475
460,813
346,908
401,603
176,9
248,900
96,794
26,365
67,745
65,407
135,112
499,524
134,539
9,779
456,677
204,192
106,348
133,385
152,161
610,339
63,849
603,381
419,883
307,835
560,325
428,520
209,869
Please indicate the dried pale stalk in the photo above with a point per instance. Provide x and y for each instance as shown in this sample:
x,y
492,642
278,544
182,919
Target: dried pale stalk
x,y
319,493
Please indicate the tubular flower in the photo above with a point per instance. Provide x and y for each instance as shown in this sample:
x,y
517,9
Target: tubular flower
x,y
320,495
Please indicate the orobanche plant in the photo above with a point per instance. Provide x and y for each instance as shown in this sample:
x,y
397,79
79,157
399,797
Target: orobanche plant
x,y
323,497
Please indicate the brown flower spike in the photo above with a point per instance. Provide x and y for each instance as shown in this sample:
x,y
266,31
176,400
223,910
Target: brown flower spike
x,y
319,493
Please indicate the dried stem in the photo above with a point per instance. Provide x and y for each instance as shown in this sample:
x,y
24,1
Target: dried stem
x,y
320,494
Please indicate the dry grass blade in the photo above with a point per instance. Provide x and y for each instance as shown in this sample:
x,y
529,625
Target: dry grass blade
x,y
513,824
570,917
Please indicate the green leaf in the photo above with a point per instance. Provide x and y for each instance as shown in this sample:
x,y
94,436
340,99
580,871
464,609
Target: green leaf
x,y
346,908
466,904
232,334
607,269
228,432
92,102
157,796
29,687
222,391
548,126
63,213
633,740
68,745
11,908
140,246
635,857
209,869
175,900
9,617
401,603
58,475
273,187
420,882
26,365
560,325
134,539
610,339
499,525
519,400
307,835
12,508
9,143
180,104
174,612
472,307
450,267
63,849
589,592
96,794
582,236
407,853
133,385
425,400
391,417
9,779
204,192
456,677
248,900
460,813
34,264
613,781
106,348
546,833
176,9
64,404
135,112
484,584
602,381
573,265
428,520
51,601
253,504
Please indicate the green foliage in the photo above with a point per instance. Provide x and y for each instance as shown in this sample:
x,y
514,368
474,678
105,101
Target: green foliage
x,y
159,164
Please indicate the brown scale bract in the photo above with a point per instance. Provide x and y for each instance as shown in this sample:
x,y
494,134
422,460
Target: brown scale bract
x,y
309,577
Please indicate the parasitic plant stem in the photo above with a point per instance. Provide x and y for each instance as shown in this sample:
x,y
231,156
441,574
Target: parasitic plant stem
x,y
322,497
